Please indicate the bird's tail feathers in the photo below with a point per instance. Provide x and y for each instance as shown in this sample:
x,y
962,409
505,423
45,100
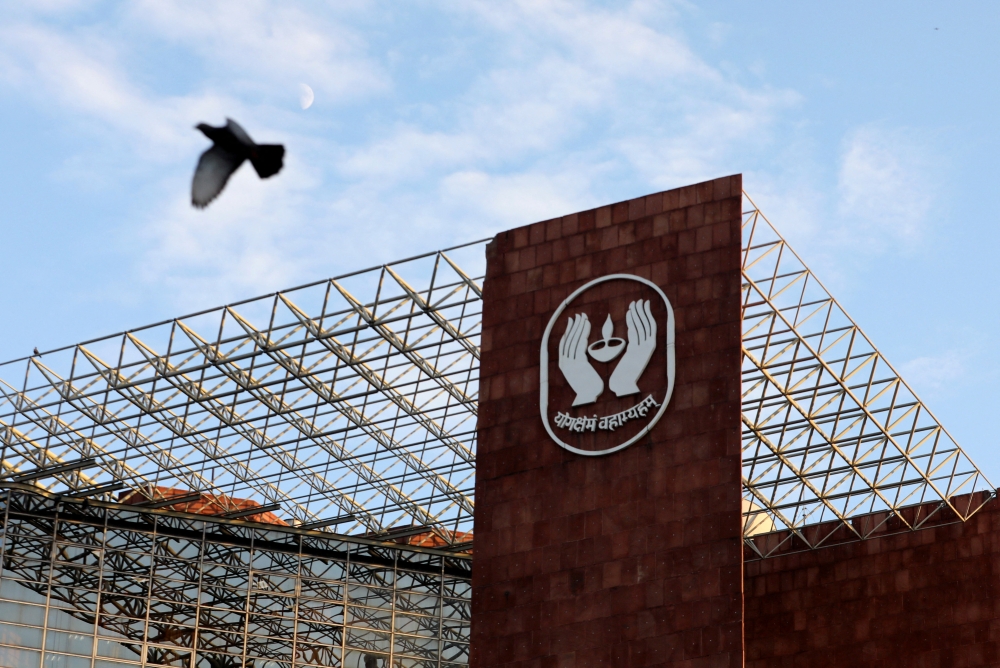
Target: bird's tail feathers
x,y
268,159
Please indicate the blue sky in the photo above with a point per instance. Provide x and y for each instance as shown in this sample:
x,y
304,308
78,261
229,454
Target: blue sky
x,y
865,131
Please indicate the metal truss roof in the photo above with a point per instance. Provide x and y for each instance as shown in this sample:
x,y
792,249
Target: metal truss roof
x,y
352,403
830,430
352,400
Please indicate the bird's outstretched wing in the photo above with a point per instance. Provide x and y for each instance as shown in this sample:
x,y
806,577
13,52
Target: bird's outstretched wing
x,y
239,132
215,167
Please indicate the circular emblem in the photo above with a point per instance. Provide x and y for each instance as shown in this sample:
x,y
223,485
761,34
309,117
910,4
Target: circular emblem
x,y
607,372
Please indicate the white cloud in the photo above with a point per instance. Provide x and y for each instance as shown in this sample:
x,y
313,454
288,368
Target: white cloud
x,y
935,373
258,41
631,94
252,240
885,185
81,77
572,102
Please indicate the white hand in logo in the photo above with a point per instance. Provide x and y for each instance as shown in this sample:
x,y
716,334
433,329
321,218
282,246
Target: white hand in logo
x,y
641,344
574,364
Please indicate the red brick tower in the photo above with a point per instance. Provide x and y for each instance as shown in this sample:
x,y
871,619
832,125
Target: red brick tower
x,y
632,558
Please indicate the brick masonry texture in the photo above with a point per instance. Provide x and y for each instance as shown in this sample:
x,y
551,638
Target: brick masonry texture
x,y
634,558
922,599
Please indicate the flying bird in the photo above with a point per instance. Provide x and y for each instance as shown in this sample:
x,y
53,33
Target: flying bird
x,y
231,145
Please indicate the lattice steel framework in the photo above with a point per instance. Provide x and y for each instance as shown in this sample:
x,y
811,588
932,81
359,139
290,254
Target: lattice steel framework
x,y
99,585
353,401
351,398
830,430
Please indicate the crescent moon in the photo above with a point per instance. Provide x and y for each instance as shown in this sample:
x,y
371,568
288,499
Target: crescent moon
x,y
306,96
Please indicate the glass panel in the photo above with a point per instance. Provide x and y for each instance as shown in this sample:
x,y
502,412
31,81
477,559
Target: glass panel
x,y
371,596
272,605
455,652
321,589
365,639
315,654
117,650
167,656
417,625
122,627
457,609
124,606
327,612
375,575
71,643
78,555
16,566
279,562
183,548
455,630
320,633
323,569
73,598
375,618
366,659
177,569
223,597
129,561
65,661
103,663
219,641
175,613
22,658
21,636
421,648
276,627
275,582
227,555
269,648
64,621
168,634
457,588
423,604
225,620
212,660
22,613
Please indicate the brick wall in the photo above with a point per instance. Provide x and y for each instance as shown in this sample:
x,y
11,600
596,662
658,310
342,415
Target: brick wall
x,y
922,599
633,558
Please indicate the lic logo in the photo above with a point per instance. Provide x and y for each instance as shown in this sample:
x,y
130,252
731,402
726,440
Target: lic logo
x,y
602,392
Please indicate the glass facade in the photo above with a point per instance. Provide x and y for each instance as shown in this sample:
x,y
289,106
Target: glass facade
x,y
101,585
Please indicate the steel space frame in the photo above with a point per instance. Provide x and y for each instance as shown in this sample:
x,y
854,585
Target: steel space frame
x,y
351,398
354,400
836,445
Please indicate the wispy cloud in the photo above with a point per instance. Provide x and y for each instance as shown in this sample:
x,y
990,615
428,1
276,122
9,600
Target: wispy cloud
x,y
936,373
886,185
573,104
253,44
